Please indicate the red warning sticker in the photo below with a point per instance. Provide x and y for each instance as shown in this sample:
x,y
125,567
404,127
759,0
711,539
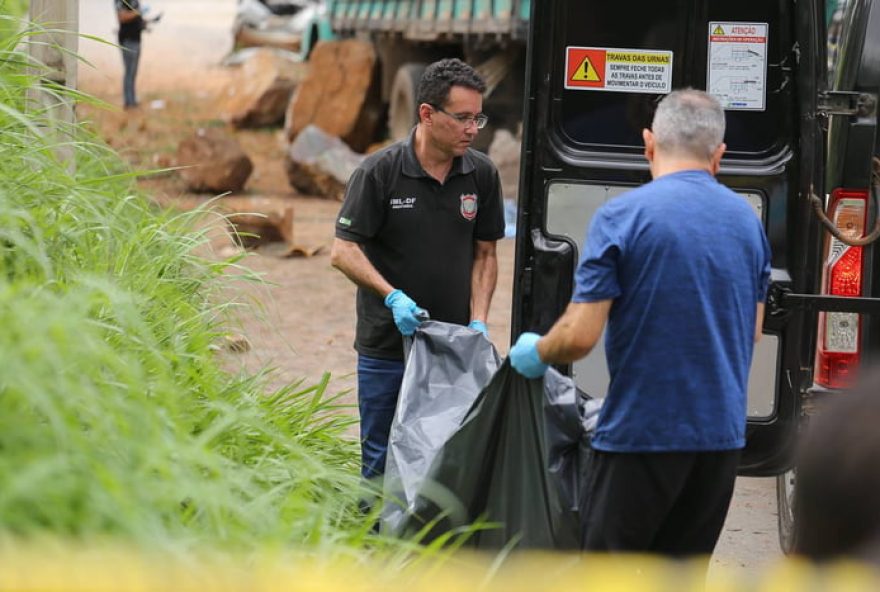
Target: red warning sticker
x,y
618,70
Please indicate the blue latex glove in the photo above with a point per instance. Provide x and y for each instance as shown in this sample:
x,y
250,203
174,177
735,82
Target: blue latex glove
x,y
479,326
407,315
524,356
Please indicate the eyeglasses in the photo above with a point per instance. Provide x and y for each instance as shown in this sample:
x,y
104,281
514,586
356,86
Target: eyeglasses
x,y
480,119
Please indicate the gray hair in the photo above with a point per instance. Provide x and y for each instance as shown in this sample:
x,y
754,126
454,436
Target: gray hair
x,y
689,122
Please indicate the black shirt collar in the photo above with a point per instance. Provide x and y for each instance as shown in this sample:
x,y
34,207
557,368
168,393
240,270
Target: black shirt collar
x,y
461,165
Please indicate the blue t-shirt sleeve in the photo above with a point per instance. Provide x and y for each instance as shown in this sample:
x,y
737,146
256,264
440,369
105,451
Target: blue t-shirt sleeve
x,y
596,277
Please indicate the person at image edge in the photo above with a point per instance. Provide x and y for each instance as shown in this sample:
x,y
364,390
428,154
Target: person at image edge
x,y
679,268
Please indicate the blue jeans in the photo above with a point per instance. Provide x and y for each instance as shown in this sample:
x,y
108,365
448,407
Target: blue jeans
x,y
131,53
378,386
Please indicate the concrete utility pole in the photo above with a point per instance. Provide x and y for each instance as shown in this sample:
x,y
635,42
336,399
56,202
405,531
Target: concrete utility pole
x,y
55,49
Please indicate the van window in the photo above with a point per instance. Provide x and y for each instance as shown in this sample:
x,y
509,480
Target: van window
x,y
835,10
602,120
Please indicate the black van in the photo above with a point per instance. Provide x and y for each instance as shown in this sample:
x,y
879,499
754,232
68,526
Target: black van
x,y
799,81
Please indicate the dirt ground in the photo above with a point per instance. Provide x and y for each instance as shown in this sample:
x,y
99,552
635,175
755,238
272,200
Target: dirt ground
x,y
304,321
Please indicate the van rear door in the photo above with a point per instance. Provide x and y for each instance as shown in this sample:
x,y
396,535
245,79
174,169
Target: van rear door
x,y
596,70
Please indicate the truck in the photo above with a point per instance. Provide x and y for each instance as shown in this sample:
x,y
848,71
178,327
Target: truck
x,y
799,81
409,34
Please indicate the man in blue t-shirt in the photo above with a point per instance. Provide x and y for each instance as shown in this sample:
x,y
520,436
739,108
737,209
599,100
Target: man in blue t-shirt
x,y
679,269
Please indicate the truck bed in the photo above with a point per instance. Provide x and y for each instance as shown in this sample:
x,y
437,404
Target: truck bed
x,y
432,20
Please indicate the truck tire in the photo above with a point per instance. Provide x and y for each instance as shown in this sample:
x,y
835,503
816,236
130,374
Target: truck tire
x,y
402,109
785,484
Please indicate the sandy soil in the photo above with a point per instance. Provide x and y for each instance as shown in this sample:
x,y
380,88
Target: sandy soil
x,y
304,321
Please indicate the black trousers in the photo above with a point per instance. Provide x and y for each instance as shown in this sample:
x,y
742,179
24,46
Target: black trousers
x,y
669,503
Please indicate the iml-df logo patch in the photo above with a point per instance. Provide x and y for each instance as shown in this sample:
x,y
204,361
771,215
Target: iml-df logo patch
x,y
403,203
468,206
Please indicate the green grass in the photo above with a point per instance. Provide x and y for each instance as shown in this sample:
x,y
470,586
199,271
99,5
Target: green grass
x,y
116,418
16,8
11,12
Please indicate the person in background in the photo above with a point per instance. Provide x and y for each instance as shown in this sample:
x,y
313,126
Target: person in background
x,y
837,486
679,268
131,25
417,233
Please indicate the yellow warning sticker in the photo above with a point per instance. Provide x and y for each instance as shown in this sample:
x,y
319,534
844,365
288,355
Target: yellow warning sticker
x,y
719,30
632,57
618,70
585,72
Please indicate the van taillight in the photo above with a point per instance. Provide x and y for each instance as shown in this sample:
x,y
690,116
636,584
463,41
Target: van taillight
x,y
839,345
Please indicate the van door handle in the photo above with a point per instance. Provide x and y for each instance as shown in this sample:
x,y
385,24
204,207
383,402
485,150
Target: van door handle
x,y
789,301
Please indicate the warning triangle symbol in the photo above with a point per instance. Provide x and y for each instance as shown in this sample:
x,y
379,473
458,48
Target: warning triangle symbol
x,y
586,72
718,31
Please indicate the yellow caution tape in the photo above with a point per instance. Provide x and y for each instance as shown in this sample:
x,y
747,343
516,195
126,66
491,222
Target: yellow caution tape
x,y
67,568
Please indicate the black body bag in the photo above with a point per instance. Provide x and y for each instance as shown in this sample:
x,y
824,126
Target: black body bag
x,y
508,455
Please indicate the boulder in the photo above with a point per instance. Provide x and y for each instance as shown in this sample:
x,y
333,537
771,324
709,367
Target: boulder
x,y
265,223
504,151
259,95
340,94
252,229
215,162
320,164
257,220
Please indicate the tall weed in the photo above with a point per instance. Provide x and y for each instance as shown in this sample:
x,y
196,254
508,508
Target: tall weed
x,y
11,12
115,417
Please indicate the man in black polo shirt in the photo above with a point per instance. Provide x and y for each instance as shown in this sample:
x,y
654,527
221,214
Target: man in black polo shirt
x,y
131,23
417,234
